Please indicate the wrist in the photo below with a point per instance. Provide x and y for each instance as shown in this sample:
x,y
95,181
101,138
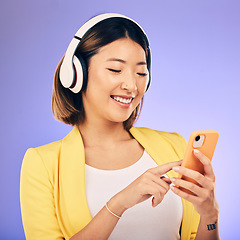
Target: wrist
x,y
116,206
211,217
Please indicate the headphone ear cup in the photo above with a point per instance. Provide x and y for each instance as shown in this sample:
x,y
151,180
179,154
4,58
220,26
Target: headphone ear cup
x,y
147,83
80,74
149,70
84,71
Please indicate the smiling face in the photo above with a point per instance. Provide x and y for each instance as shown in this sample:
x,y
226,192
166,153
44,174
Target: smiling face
x,y
117,79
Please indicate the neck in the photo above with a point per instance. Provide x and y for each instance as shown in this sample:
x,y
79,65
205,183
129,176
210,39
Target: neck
x,y
100,135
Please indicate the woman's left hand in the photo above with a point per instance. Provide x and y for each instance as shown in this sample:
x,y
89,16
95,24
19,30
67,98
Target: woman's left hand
x,y
203,200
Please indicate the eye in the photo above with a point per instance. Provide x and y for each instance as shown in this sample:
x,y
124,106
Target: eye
x,y
114,70
142,74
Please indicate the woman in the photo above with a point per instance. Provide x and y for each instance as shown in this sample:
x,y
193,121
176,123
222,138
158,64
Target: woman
x,y
107,179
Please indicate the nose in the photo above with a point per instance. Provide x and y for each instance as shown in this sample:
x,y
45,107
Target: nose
x,y
129,83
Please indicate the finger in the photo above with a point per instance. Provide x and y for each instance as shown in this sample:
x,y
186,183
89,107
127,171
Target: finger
x,y
159,195
157,191
198,191
157,198
152,179
162,169
154,184
208,169
198,177
191,198
165,179
162,181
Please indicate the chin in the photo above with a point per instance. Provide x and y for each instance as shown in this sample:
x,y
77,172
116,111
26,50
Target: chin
x,y
117,116
120,118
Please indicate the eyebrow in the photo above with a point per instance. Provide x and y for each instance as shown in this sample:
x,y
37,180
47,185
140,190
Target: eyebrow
x,y
123,61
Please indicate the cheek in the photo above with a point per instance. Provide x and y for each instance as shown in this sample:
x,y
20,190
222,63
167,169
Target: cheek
x,y
95,80
101,78
142,86
140,95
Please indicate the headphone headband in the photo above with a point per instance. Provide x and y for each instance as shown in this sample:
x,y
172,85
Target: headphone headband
x,y
93,21
67,71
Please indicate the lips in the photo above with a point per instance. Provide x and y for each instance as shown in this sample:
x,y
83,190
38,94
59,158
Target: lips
x,y
121,99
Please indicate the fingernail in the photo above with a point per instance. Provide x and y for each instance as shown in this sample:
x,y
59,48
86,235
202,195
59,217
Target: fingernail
x,y
196,151
172,179
175,169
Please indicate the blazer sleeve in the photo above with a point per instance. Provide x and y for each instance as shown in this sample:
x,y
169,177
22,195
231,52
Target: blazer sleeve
x,y
37,201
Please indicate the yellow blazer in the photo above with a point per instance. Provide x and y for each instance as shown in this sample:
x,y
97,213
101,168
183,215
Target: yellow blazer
x,y
52,186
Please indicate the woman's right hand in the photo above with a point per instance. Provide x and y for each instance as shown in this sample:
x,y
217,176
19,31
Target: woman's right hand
x,y
150,183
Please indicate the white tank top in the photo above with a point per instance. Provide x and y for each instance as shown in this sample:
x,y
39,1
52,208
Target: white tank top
x,y
141,221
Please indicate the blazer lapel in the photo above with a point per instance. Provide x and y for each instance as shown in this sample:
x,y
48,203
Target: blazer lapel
x,y
158,148
73,200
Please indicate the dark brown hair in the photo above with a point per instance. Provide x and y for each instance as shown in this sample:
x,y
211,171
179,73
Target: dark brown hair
x,y
67,106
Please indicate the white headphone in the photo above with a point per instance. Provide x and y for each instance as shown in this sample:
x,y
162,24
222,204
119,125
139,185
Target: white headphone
x,y
73,69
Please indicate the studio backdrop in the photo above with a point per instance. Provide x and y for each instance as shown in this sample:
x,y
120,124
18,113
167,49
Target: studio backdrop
x,y
195,84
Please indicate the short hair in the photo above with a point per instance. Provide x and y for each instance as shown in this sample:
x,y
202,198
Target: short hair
x,y
67,106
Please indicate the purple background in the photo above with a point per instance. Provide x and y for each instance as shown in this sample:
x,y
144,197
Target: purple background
x,y
196,67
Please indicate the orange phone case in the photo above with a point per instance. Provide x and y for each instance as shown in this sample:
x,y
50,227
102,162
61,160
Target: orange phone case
x,y
209,142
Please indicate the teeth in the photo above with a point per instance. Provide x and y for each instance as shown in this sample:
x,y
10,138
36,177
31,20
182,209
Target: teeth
x,y
123,100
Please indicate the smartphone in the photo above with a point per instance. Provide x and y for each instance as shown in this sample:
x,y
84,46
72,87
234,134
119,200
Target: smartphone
x,y
205,141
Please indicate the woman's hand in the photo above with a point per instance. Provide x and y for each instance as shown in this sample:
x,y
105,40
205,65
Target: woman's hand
x,y
150,183
204,199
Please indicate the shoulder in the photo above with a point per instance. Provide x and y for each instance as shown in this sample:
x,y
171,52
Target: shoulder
x,y
41,160
48,150
171,137
160,140
50,155
51,151
47,156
